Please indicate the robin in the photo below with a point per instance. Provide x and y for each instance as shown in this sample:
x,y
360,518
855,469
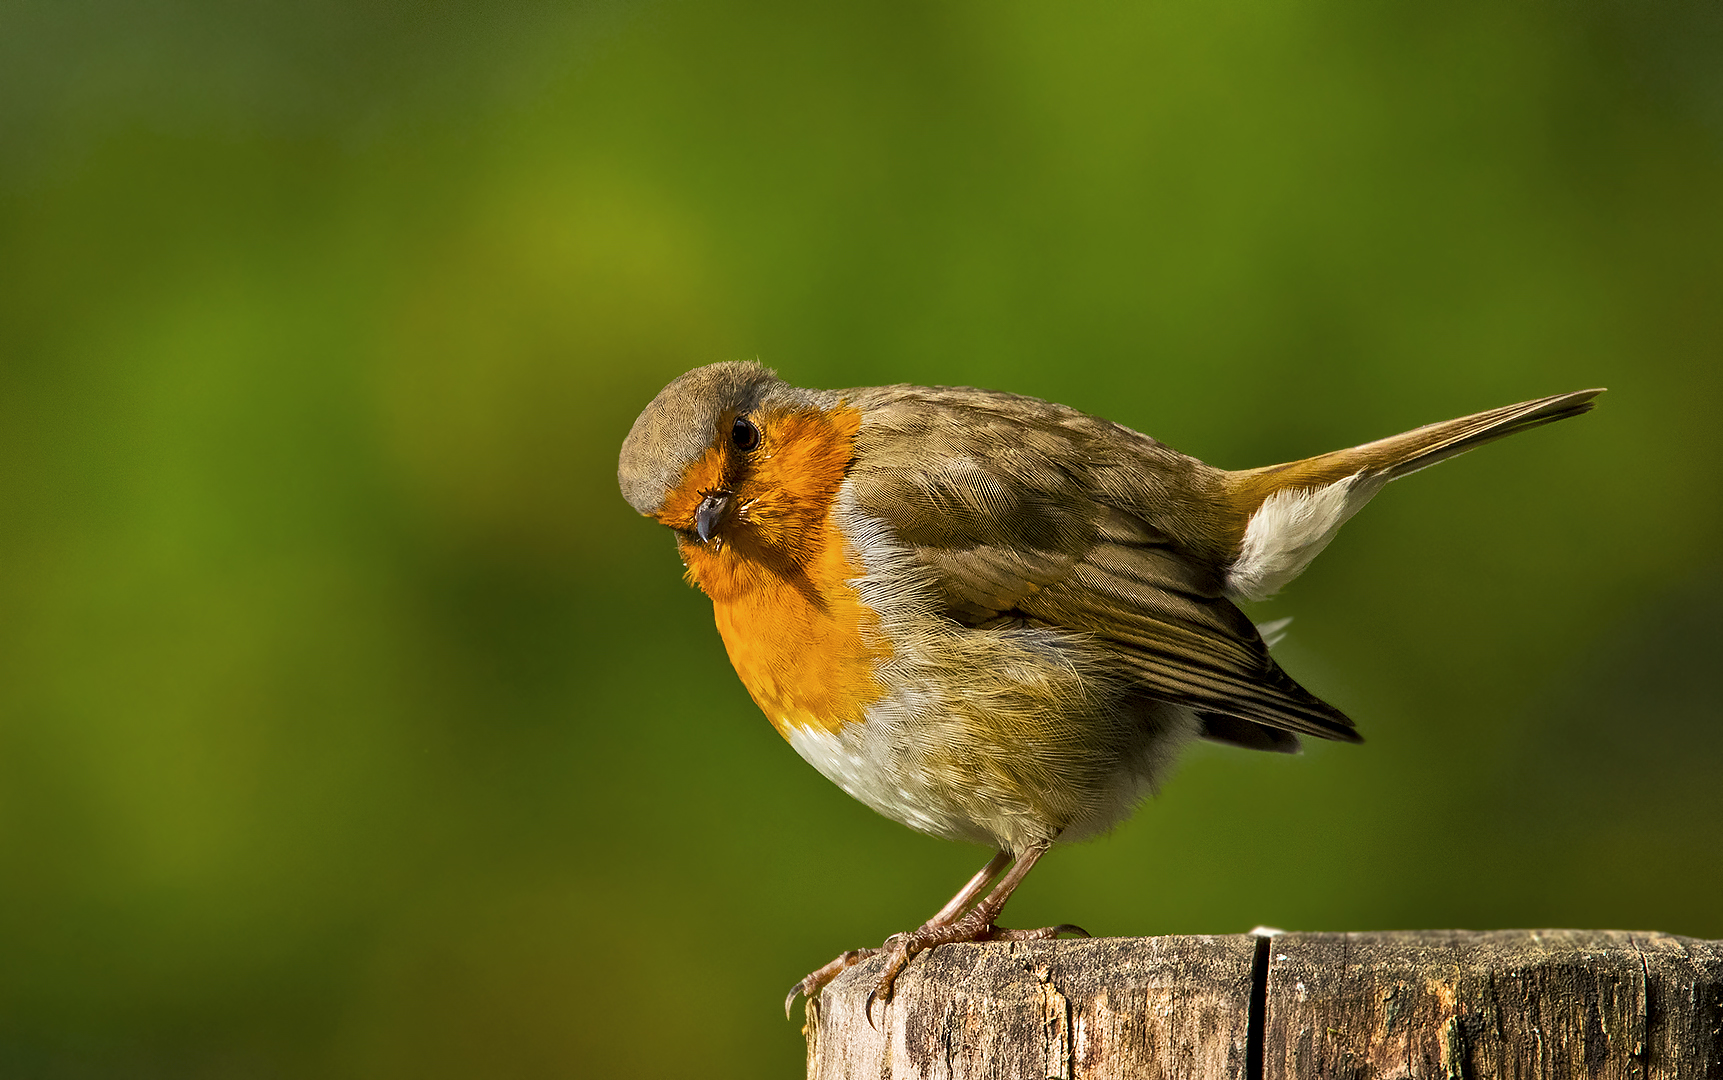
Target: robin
x,y
993,618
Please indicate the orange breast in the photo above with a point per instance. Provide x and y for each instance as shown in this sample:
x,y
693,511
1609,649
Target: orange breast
x,y
797,632
803,648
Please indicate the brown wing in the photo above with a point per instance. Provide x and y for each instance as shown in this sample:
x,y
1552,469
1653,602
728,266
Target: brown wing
x,y
1030,514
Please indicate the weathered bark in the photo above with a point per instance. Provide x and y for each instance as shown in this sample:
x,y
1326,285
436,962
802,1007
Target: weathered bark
x,y
1444,1004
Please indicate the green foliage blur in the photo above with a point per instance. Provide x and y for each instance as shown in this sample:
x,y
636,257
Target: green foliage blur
x,y
351,724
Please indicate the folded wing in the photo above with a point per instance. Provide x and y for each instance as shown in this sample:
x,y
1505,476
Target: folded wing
x,y
1052,519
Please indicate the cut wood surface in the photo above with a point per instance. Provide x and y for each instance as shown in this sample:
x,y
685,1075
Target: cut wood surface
x,y
1442,1004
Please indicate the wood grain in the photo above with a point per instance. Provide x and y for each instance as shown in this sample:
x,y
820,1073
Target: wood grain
x,y
1440,1004
1100,1009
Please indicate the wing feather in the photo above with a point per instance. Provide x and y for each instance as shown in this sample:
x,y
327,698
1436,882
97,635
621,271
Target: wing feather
x,y
1019,521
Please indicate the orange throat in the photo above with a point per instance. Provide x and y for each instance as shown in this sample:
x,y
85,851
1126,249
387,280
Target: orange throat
x,y
805,645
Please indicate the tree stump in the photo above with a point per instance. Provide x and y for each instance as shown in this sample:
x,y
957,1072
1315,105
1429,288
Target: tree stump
x,y
1440,1004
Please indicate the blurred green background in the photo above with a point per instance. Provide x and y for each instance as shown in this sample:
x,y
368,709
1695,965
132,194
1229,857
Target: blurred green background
x,y
351,725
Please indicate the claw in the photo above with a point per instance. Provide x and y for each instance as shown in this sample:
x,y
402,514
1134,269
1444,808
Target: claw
x,y
902,952
811,985
944,928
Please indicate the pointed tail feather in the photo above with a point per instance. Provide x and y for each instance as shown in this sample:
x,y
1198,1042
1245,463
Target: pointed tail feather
x,y
1289,512
1406,453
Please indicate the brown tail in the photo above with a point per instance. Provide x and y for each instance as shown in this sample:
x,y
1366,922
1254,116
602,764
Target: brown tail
x,y
1406,453
1285,514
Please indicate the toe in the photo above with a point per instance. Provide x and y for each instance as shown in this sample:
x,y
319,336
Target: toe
x,y
1045,933
811,985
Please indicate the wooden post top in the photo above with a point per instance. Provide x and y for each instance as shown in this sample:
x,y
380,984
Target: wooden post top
x,y
1441,1004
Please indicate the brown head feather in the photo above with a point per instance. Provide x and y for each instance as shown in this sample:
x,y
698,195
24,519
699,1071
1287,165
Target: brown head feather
x,y
680,424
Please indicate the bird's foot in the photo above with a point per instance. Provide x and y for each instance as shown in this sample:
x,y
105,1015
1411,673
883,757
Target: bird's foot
x,y
903,948
1045,933
819,977
900,949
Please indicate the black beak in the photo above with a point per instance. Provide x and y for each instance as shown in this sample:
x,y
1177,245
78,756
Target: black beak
x,y
711,514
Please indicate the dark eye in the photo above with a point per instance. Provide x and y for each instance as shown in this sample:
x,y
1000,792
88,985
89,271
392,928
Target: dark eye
x,y
744,436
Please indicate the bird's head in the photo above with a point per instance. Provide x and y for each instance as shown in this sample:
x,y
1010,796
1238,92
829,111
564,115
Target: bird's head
x,y
731,457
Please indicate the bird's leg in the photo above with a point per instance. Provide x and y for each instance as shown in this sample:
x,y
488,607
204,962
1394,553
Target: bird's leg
x,y
975,925
966,895
944,917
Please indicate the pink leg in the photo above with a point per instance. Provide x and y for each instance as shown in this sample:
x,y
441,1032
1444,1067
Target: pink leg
x,y
966,895
956,921
976,925
944,917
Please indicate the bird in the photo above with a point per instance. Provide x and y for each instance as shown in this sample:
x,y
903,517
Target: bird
x,y
993,618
